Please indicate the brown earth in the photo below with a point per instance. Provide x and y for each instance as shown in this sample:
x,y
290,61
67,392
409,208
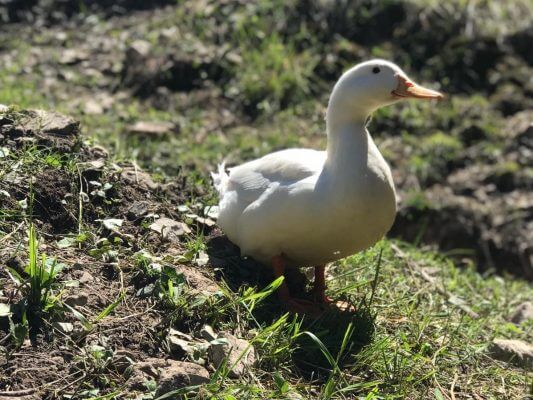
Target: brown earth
x,y
136,327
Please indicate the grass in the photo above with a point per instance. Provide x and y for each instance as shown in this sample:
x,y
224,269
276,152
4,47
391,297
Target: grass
x,y
38,284
422,324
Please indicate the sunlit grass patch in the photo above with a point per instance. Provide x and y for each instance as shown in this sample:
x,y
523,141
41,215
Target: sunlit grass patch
x,y
273,76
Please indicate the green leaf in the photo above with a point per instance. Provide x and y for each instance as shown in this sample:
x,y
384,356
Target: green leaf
x,y
15,276
438,394
66,242
282,384
110,307
84,321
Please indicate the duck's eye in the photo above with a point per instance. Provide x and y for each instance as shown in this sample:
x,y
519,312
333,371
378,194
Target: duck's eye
x,y
375,70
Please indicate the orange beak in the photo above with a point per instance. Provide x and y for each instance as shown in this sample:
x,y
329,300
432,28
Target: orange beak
x,y
408,89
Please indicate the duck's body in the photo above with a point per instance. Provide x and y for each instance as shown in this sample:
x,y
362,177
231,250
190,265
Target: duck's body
x,y
308,208
303,207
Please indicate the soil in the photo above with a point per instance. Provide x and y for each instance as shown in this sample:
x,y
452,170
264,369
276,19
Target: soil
x,y
98,281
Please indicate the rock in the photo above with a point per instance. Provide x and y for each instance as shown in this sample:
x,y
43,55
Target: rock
x,y
65,327
240,354
93,165
170,375
182,345
201,259
50,122
152,128
180,335
112,224
208,333
179,374
85,277
79,299
170,229
135,176
138,50
523,313
93,107
138,210
73,56
179,343
179,347
515,351
211,212
45,128
208,222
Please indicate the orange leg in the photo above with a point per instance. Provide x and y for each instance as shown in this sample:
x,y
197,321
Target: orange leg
x,y
319,287
299,306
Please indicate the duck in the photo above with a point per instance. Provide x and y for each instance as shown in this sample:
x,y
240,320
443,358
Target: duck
x,y
298,208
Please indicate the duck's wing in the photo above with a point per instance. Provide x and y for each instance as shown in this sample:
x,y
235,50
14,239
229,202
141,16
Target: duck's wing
x,y
285,167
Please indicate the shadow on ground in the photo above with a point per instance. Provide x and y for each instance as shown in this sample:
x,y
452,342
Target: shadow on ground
x,y
342,333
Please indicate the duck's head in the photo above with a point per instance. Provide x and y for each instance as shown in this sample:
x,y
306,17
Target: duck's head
x,y
374,84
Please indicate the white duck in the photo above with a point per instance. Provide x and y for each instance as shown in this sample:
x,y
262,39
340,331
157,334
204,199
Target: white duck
x,y
302,207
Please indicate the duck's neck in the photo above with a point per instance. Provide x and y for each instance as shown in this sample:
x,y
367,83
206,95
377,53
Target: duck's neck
x,y
348,141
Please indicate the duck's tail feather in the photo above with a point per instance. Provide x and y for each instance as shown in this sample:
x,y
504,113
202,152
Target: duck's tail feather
x,y
220,178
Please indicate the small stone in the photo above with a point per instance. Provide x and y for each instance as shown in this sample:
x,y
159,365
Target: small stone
x,y
3,108
94,165
523,313
170,229
112,224
50,122
85,277
147,370
179,347
240,354
202,259
179,343
212,211
65,327
515,351
208,333
138,210
79,299
136,176
206,221
138,50
181,335
152,128
93,107
99,152
73,56
179,374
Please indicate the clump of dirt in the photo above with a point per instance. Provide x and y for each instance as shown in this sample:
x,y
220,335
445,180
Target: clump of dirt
x,y
178,70
54,201
45,128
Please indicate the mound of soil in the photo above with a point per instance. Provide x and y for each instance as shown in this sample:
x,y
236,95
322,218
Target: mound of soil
x,y
92,216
